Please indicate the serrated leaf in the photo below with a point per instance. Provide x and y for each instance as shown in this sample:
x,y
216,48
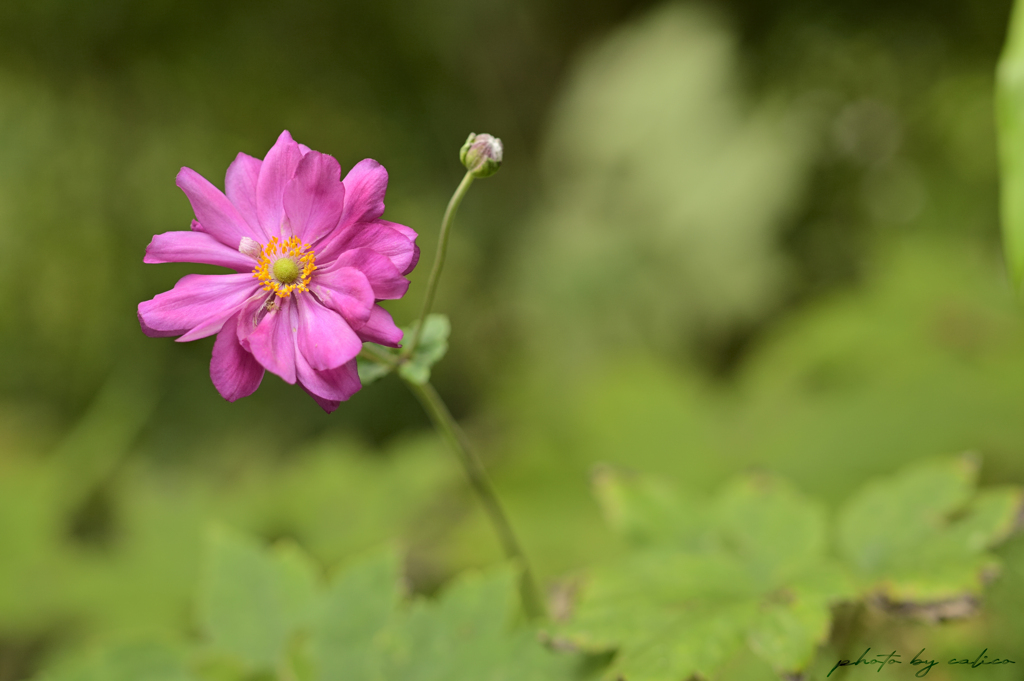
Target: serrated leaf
x,y
771,527
254,599
917,537
1010,119
673,611
990,519
468,634
360,601
432,346
794,620
143,661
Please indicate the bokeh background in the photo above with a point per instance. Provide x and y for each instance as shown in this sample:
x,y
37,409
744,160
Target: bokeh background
x,y
737,234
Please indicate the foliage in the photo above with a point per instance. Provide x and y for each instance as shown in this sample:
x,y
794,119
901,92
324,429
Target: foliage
x,y
370,371
253,602
921,539
755,572
136,567
465,635
433,344
753,567
264,610
431,349
703,579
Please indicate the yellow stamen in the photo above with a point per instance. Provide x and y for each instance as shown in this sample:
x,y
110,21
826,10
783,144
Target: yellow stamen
x,y
299,255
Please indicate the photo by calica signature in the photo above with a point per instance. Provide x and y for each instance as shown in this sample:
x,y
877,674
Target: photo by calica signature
x,y
924,662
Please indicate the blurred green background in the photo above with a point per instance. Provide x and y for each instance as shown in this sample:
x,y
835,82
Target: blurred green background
x,y
748,233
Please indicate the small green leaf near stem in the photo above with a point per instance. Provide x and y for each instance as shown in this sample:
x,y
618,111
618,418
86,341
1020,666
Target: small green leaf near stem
x,y
446,425
442,249
374,354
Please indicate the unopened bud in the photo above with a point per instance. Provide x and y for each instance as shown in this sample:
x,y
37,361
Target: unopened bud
x,y
481,154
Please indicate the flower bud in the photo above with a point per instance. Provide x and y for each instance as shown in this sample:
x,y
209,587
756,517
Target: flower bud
x,y
481,154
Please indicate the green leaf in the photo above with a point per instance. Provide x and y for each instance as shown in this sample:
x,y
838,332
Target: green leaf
x,y
363,632
360,601
672,609
795,619
1010,119
919,537
771,527
143,661
254,600
468,634
432,346
648,511
370,371
259,599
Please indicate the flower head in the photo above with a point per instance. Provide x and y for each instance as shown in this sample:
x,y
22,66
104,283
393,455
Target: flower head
x,y
481,154
312,258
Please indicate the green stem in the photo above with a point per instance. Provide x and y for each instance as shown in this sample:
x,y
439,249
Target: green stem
x,y
456,439
442,249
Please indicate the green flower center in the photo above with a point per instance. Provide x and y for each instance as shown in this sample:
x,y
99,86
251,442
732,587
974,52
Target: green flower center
x,y
286,270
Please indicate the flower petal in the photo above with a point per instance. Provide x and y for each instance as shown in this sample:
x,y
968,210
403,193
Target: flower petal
x,y
345,290
278,167
405,230
214,212
153,333
377,236
328,406
325,340
315,197
240,188
197,247
234,371
380,328
331,386
250,315
385,279
272,343
410,234
365,186
198,303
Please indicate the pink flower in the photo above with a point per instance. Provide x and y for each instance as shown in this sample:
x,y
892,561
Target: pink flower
x,y
312,258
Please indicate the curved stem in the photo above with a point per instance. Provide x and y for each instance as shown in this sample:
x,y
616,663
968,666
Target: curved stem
x,y
442,249
456,439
